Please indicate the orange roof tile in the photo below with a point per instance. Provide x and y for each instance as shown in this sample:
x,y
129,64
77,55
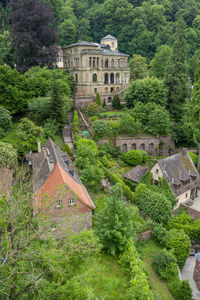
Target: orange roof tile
x,y
60,177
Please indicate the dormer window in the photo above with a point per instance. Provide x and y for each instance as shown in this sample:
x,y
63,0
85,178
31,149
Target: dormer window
x,y
71,202
58,204
71,172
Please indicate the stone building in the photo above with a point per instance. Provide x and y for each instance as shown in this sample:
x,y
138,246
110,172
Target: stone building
x,y
196,274
97,68
58,192
181,174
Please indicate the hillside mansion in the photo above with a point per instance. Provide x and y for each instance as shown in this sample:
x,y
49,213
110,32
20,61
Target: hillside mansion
x,y
97,68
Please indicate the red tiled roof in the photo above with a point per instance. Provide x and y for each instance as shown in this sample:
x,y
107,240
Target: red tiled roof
x,y
58,178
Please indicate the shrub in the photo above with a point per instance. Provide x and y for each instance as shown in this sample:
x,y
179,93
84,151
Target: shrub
x,y
179,242
92,108
39,109
132,265
194,158
144,156
116,102
181,290
8,155
100,128
94,118
51,128
133,157
67,149
5,121
75,122
153,204
92,175
128,125
160,234
164,263
98,99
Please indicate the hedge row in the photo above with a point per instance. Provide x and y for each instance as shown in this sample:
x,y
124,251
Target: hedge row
x,y
75,123
115,179
132,266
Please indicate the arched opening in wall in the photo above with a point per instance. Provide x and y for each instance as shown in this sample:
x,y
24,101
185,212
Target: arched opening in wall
x,y
106,63
151,148
117,78
94,78
124,148
133,146
112,78
112,63
161,148
109,99
142,146
169,151
106,78
76,78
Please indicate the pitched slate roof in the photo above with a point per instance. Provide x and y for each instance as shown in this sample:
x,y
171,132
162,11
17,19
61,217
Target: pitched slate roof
x,y
52,160
109,37
180,172
136,173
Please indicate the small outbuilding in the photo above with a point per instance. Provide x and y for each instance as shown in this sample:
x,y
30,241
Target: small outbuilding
x,y
136,174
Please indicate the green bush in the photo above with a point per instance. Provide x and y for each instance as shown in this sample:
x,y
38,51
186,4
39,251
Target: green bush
x,y
153,204
75,122
94,118
92,175
181,290
144,156
116,102
92,108
133,157
165,264
8,155
179,242
99,128
51,128
194,158
67,149
160,234
98,99
5,121
132,265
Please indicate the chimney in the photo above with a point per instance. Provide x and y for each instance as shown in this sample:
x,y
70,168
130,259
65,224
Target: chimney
x,y
39,146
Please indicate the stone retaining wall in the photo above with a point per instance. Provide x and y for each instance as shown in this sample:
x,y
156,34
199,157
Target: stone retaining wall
x,y
144,236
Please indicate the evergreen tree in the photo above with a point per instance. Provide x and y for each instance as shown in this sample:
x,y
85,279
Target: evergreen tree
x,y
98,99
115,223
176,72
116,102
57,105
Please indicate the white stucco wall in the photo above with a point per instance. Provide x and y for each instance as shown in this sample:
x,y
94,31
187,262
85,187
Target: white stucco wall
x,y
156,172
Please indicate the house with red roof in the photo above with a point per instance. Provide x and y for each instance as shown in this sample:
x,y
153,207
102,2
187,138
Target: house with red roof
x,y
58,191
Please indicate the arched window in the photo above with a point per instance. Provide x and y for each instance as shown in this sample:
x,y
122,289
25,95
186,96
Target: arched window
x,y
112,78
109,99
151,148
106,78
112,63
161,149
94,78
133,146
106,63
124,148
142,147
117,78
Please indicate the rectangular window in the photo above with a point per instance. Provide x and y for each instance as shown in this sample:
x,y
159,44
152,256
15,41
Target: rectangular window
x,y
97,62
71,202
95,90
58,204
121,64
90,61
93,61
157,171
111,89
186,195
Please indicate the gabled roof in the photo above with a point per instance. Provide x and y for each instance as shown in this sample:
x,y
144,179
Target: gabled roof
x,y
56,161
180,172
109,37
136,173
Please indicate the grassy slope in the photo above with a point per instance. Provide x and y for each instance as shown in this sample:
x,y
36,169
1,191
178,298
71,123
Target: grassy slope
x,y
147,250
104,278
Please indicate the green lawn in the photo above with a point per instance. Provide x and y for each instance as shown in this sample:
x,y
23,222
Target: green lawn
x,y
113,113
147,250
103,278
